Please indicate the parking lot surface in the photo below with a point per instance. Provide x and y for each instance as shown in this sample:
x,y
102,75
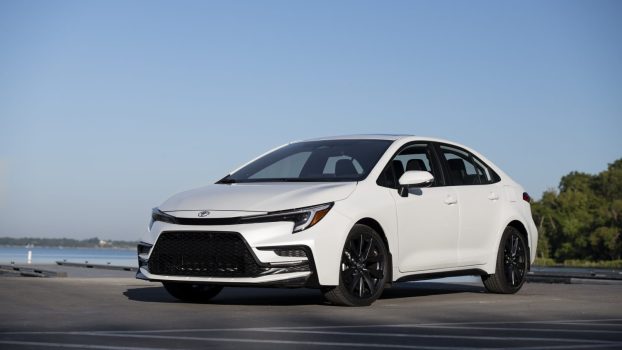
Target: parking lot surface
x,y
123,313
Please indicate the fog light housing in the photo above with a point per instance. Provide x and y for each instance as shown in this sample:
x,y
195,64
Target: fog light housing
x,y
290,252
143,250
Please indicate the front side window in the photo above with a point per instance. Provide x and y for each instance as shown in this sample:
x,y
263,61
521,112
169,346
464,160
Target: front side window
x,y
412,157
465,169
314,161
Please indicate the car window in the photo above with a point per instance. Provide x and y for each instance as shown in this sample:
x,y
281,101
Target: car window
x,y
465,169
314,161
331,164
485,174
412,157
287,167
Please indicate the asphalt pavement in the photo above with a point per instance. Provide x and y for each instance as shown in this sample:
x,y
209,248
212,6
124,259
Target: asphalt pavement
x,y
124,313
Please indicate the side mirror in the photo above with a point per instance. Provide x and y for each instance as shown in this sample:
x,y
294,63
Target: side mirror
x,y
414,178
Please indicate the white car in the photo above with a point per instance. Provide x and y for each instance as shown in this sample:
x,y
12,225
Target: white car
x,y
349,215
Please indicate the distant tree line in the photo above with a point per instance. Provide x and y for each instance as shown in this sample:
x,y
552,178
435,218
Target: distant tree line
x,y
583,218
65,242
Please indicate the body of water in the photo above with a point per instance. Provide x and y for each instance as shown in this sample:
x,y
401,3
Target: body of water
x,y
49,255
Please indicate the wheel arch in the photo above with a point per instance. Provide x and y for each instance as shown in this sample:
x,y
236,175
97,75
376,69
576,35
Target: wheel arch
x,y
520,226
367,221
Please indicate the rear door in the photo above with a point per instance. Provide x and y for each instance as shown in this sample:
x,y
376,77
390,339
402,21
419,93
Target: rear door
x,y
479,202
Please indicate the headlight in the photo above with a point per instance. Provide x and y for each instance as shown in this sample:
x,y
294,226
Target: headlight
x,y
303,218
157,215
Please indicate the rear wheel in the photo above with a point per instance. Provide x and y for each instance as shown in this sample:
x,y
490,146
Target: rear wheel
x,y
363,270
190,292
512,264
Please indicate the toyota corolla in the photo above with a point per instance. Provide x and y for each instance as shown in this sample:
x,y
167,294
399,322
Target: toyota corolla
x,y
347,215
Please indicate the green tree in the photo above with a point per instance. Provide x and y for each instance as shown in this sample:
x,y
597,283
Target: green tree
x,y
583,220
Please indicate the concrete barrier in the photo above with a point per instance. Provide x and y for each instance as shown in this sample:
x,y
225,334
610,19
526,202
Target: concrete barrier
x,y
574,275
97,266
13,270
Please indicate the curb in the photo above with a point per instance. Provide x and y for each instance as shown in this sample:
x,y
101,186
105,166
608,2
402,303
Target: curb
x,y
19,271
97,266
587,277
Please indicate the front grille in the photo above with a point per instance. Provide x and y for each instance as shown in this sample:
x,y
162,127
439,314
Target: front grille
x,y
205,254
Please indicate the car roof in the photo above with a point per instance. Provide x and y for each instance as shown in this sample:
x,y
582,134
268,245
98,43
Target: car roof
x,y
390,137
403,138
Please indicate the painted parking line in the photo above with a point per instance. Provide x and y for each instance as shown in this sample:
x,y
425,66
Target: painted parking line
x,y
437,336
515,329
341,331
591,344
276,341
587,322
615,346
593,324
74,346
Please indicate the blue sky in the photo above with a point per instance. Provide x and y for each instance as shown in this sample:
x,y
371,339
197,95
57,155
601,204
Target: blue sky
x,y
107,108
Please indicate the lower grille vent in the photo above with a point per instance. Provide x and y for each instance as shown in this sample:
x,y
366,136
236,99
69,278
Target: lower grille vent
x,y
204,254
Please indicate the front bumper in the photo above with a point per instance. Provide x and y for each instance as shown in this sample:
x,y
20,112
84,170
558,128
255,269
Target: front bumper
x,y
319,265
289,280
211,262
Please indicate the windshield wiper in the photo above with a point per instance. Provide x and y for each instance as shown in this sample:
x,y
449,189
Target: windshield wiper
x,y
226,180
306,179
230,180
287,179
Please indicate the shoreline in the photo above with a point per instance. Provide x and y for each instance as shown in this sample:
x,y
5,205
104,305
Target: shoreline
x,y
65,247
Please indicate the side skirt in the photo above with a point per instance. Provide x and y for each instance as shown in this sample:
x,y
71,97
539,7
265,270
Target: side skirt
x,y
427,276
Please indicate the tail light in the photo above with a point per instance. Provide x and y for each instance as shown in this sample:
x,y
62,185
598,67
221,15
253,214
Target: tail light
x,y
526,197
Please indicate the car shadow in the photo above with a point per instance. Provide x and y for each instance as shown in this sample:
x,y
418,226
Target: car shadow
x,y
290,297
235,296
422,289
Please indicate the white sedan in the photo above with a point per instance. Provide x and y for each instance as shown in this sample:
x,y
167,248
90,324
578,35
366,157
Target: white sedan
x,y
349,215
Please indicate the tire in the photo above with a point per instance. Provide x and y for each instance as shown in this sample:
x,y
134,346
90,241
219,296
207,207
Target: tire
x,y
363,271
512,264
189,292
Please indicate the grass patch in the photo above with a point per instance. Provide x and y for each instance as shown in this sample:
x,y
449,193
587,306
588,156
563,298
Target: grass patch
x,y
607,264
546,262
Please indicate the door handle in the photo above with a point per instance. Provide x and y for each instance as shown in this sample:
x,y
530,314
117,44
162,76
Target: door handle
x,y
493,196
449,200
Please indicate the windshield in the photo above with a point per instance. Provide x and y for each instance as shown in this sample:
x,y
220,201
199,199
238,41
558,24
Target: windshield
x,y
314,161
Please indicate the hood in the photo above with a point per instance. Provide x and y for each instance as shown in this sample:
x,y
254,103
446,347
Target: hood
x,y
260,197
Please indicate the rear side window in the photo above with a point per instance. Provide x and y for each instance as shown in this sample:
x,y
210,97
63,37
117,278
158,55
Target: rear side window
x,y
466,169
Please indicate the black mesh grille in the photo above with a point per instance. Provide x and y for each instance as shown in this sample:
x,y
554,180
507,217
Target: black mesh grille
x,y
297,253
298,268
206,254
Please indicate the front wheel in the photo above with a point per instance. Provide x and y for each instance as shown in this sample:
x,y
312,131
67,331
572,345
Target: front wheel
x,y
512,264
190,292
363,270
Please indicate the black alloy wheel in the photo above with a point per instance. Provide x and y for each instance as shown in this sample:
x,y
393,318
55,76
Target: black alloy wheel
x,y
512,264
363,270
514,258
